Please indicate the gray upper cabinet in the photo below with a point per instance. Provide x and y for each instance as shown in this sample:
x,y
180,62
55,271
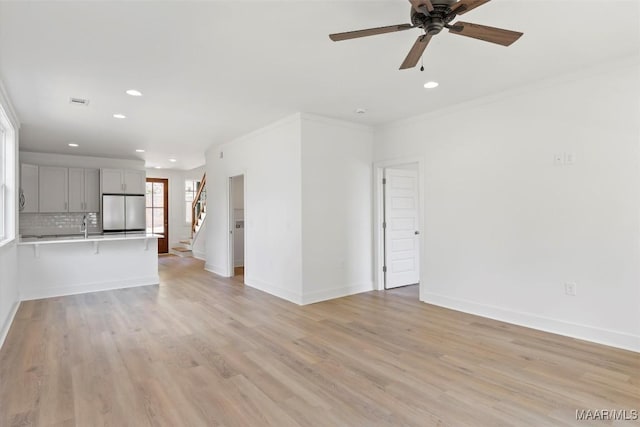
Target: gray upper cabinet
x,y
112,181
53,189
92,190
123,181
84,190
76,190
28,188
135,181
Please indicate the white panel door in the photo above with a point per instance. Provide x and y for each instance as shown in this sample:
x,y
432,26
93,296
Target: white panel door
x,y
76,190
402,252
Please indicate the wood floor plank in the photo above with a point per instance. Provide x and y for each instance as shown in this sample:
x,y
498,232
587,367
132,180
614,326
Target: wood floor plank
x,y
201,350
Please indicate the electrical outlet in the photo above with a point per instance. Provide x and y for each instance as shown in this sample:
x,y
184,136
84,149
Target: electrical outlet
x,y
570,288
558,159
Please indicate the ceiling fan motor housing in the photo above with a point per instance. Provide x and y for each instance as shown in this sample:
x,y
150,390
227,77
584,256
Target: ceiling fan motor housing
x,y
435,21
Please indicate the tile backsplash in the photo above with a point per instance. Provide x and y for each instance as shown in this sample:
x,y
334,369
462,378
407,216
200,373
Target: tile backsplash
x,y
46,224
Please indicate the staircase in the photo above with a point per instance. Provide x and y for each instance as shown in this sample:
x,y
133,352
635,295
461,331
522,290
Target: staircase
x,y
198,214
184,248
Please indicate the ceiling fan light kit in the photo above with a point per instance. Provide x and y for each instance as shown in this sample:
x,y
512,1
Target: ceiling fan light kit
x,y
432,16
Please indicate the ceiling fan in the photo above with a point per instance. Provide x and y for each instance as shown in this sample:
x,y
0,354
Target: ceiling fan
x,y
432,16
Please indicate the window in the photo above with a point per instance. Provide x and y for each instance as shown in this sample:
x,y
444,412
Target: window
x,y
155,206
7,178
190,190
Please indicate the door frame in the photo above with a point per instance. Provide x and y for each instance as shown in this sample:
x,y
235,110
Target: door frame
x,y
164,181
378,216
231,224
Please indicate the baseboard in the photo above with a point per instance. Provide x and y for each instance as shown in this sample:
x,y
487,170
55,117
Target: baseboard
x,y
215,269
273,290
343,291
31,294
199,255
588,333
181,254
8,322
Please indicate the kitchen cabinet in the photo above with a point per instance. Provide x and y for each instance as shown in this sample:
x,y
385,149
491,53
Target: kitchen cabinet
x,y
135,182
112,181
92,190
84,190
53,192
28,188
123,181
76,190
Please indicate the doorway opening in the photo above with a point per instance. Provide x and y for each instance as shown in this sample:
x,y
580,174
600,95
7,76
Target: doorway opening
x,y
157,207
398,222
237,237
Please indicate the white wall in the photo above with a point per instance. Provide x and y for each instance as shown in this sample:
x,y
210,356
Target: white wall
x,y
270,161
9,297
199,245
505,228
8,288
336,208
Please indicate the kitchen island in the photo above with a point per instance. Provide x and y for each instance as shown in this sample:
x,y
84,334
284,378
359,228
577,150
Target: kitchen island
x,y
64,265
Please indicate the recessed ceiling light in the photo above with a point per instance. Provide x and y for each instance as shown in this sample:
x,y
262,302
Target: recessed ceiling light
x,y
157,167
139,150
172,160
119,116
134,92
360,110
72,144
431,85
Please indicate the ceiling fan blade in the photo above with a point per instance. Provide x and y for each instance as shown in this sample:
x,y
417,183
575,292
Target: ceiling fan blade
x,y
422,6
464,6
369,32
483,32
416,52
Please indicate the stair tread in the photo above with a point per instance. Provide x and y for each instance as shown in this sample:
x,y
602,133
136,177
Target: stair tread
x,y
181,249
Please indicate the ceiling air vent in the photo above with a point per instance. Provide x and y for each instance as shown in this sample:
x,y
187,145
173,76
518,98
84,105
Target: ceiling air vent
x,y
79,101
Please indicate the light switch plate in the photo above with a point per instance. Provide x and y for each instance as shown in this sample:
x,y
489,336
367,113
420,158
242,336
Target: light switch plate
x,y
570,288
569,158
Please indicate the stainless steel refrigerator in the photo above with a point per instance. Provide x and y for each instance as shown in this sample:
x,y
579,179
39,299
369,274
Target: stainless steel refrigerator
x,y
123,213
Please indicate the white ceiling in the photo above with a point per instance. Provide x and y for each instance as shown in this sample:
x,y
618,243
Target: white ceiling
x,y
212,71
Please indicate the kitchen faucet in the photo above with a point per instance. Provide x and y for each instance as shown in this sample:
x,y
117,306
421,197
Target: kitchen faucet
x,y
84,228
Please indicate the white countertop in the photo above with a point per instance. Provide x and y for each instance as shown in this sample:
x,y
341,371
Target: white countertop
x,y
45,240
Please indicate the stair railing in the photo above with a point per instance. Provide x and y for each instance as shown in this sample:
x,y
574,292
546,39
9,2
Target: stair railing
x,y
199,203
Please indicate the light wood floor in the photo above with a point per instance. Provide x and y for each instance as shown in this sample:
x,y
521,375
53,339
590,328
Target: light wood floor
x,y
203,351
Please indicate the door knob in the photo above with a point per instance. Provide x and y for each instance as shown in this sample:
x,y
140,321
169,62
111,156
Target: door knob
x,y
416,232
